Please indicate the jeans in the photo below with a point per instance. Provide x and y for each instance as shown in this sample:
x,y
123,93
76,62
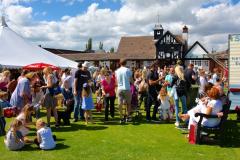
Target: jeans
x,y
109,101
184,106
78,106
150,100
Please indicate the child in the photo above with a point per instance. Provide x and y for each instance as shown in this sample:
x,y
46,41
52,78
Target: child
x,y
45,140
37,99
14,139
25,118
87,102
165,112
99,102
3,104
65,112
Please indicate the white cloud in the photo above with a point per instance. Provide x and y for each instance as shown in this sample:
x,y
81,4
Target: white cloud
x,y
19,15
70,2
209,25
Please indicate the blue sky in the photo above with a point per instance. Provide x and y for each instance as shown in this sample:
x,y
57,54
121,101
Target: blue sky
x,y
55,9
42,22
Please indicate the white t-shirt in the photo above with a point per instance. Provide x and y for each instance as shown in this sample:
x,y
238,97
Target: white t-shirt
x,y
216,107
123,75
67,82
47,141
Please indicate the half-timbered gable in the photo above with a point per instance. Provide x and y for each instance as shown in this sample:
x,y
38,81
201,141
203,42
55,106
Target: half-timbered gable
x,y
169,47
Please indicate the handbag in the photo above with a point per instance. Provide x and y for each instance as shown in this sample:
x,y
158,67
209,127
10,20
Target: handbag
x,y
192,134
9,112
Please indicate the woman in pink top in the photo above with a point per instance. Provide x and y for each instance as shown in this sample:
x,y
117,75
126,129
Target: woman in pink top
x,y
108,86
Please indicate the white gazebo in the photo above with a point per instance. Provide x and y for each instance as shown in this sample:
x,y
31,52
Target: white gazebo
x,y
16,52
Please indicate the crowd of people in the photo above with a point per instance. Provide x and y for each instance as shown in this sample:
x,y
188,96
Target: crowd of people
x,y
26,93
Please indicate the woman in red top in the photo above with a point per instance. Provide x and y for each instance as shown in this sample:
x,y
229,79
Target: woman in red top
x,y
108,86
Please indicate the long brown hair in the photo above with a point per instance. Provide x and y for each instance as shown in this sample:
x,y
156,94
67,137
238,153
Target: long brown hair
x,y
27,111
16,124
86,92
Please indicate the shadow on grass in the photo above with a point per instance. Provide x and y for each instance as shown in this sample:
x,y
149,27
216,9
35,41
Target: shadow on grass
x,y
76,127
230,138
32,147
60,146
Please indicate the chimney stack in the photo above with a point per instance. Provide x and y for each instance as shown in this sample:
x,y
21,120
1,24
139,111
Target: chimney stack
x,y
185,36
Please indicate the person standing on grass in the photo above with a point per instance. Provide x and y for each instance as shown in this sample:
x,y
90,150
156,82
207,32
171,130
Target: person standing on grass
x,y
123,78
82,76
87,102
153,90
50,100
190,77
108,86
179,84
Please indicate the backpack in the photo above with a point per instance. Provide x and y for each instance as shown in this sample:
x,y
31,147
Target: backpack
x,y
181,87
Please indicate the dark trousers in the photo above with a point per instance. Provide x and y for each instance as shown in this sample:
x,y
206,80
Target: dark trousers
x,y
152,99
191,96
2,126
109,101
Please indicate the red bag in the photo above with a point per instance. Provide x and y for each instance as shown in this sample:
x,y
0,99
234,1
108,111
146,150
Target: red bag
x,y
192,134
9,112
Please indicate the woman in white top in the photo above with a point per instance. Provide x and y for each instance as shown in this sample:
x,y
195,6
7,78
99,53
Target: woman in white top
x,y
210,106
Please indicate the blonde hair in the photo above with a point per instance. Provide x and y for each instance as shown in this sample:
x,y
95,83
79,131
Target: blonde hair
x,y
103,71
40,123
47,70
30,75
144,74
6,73
163,93
179,72
3,94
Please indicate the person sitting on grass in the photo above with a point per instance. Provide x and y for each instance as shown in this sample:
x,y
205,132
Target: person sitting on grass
x,y
45,139
14,139
210,105
164,108
87,102
25,118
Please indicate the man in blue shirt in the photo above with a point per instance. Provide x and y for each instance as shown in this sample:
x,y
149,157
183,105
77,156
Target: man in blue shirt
x,y
123,78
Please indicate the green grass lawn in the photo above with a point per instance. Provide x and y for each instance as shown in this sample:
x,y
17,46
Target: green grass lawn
x,y
130,141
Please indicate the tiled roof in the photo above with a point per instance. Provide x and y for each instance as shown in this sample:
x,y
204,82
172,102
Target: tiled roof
x,y
142,48
221,54
90,56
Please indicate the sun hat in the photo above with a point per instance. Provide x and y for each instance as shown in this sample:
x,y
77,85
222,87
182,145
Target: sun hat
x,y
86,64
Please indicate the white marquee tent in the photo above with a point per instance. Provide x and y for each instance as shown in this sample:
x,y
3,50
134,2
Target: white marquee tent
x,y
16,52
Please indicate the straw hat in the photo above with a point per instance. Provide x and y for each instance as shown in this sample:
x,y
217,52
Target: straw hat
x,y
30,75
